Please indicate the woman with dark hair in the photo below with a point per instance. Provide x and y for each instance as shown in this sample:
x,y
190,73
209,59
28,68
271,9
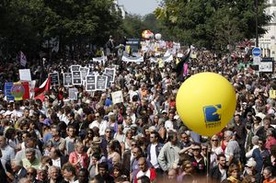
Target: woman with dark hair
x,y
113,153
88,139
117,170
12,140
33,129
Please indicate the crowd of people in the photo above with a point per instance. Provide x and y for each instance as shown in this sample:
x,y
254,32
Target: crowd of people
x,y
142,139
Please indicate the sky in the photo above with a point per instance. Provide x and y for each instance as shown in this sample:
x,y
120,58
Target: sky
x,y
141,7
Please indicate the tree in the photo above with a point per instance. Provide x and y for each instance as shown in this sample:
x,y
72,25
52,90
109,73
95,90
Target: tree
x,y
26,24
212,23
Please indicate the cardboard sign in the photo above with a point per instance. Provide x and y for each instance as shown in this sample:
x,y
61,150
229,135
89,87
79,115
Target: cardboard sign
x,y
117,97
73,93
76,78
25,75
67,79
101,82
54,78
90,83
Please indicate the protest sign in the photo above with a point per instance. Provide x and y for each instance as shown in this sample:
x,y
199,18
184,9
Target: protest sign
x,y
54,78
67,79
117,97
73,93
90,83
25,75
101,82
76,78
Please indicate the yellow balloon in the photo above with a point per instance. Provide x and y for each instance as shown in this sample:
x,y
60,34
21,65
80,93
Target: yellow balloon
x,y
206,103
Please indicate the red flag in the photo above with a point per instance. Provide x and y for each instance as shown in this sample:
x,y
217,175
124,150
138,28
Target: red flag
x,y
26,94
43,88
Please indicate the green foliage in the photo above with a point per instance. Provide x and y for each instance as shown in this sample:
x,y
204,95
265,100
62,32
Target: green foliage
x,y
26,24
212,23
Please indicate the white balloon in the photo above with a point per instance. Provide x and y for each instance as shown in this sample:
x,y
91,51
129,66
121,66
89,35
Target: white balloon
x,y
158,36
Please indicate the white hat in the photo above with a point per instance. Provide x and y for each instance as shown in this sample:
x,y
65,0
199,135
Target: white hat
x,y
251,163
152,128
110,113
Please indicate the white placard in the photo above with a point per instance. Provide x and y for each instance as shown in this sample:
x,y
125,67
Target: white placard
x,y
84,72
54,78
117,97
265,67
67,79
73,93
110,72
76,78
101,82
25,75
90,83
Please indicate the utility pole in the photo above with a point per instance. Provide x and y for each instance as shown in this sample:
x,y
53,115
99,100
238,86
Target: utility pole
x,y
256,23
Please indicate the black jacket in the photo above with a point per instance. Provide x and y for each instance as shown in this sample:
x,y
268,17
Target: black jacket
x,y
215,174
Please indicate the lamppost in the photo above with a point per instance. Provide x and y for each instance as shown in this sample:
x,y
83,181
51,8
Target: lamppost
x,y
256,23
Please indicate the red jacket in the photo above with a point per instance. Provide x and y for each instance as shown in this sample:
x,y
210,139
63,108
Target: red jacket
x,y
151,173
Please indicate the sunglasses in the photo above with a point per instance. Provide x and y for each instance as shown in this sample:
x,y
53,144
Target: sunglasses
x,y
214,139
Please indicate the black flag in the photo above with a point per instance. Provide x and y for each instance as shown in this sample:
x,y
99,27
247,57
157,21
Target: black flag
x,y
179,67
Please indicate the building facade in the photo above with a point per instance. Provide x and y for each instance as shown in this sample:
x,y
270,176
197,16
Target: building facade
x,y
268,41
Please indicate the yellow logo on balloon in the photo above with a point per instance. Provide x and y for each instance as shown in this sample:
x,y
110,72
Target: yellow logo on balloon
x,y
206,103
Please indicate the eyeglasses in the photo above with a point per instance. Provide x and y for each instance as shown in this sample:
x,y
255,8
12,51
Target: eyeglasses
x,y
214,140
196,149
188,166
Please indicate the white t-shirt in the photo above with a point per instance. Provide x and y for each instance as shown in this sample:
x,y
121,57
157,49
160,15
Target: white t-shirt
x,y
169,125
153,156
95,123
